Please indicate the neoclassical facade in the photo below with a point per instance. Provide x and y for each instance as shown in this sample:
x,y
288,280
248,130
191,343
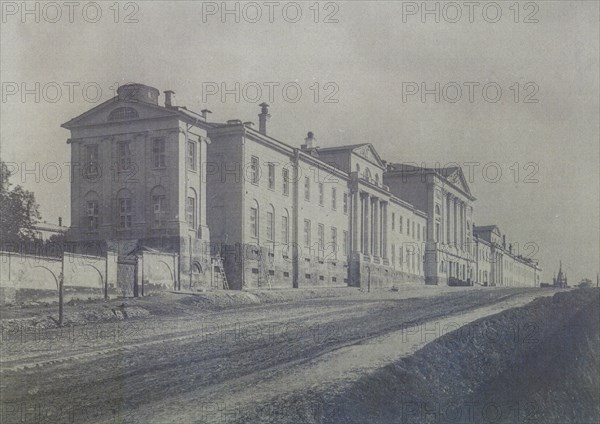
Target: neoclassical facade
x,y
447,200
138,181
225,196
303,216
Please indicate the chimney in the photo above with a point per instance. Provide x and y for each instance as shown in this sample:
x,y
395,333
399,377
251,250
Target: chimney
x,y
263,117
60,221
169,98
205,113
310,142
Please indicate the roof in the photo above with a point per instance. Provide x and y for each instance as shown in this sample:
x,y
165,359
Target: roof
x,y
485,227
181,111
452,174
363,150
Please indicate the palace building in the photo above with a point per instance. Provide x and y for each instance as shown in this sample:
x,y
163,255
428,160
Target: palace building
x,y
226,198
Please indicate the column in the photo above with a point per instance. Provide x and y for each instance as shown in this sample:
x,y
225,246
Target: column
x,y
356,221
454,220
376,224
384,229
448,220
366,225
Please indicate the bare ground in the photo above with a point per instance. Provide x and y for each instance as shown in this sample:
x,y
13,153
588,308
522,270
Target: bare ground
x,y
188,359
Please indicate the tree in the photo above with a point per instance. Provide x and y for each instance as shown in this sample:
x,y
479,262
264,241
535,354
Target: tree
x,y
19,211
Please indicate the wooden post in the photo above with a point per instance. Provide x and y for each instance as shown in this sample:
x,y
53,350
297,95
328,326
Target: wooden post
x,y
135,277
61,292
106,277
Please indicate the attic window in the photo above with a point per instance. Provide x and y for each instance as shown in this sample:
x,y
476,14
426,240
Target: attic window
x,y
123,114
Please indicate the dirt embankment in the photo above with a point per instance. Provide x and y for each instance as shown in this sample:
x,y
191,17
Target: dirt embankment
x,y
534,364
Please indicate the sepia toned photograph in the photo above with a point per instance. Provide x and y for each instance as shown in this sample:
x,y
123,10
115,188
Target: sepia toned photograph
x,y
300,212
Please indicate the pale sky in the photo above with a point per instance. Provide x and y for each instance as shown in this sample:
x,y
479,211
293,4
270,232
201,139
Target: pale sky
x,y
366,57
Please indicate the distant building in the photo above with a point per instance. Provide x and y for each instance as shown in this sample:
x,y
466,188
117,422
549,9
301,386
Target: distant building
x,y
44,230
560,280
506,267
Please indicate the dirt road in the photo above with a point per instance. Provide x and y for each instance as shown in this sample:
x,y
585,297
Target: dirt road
x,y
213,367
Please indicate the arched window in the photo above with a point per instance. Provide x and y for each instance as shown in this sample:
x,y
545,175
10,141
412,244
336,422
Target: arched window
x,y
377,179
285,227
158,200
123,114
437,210
254,213
367,174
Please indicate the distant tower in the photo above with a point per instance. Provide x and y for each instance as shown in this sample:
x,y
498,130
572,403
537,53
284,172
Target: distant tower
x,y
561,279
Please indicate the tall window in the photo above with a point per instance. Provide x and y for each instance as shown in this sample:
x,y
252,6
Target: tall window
x,y
286,181
254,222
393,255
125,155
158,153
191,155
285,229
437,231
190,212
401,256
345,243
408,227
270,225
321,236
92,214
91,159
400,225
334,239
272,176
254,170
345,203
424,233
321,194
393,221
159,205
307,189
125,217
418,231
306,233
413,229
333,198
91,153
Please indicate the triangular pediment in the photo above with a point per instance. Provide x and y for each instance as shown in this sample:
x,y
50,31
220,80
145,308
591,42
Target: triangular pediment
x,y
457,178
368,152
118,111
